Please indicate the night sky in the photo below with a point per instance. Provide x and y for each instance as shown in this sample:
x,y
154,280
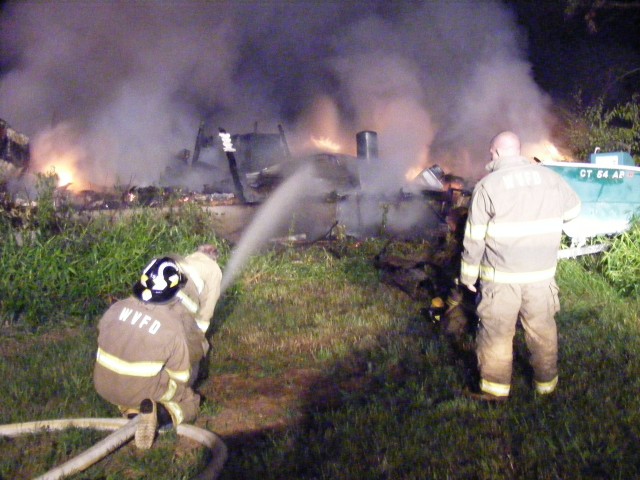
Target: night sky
x,y
567,56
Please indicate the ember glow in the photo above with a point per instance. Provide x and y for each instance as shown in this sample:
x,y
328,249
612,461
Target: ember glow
x,y
326,144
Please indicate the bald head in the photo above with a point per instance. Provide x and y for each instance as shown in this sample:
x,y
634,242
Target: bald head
x,y
505,144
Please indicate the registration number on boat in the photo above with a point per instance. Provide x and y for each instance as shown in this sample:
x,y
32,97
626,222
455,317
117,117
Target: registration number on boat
x,y
604,173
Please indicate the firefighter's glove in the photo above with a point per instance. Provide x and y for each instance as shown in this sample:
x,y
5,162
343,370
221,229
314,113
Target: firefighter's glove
x,y
470,287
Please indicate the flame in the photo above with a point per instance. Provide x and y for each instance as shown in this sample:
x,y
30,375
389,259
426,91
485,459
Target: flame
x,y
64,168
57,151
553,149
65,177
413,172
326,143
545,151
421,160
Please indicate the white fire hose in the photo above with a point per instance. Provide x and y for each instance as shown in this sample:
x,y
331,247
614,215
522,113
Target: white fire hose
x,y
124,430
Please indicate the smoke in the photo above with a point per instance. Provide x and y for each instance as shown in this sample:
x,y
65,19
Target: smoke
x,y
127,83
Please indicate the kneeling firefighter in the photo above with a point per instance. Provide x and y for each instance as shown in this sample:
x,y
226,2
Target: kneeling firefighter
x,y
151,343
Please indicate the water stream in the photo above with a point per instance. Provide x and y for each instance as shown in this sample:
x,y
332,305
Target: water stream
x,y
269,218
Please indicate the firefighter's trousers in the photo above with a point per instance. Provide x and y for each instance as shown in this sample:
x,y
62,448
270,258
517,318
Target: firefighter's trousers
x,y
183,404
501,306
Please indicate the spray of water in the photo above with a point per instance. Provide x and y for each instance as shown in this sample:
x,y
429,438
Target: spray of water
x,y
271,216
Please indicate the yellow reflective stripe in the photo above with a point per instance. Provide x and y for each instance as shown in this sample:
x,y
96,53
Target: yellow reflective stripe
x,y
518,229
203,325
475,232
492,275
170,392
546,387
187,302
122,367
177,415
497,389
452,303
572,213
195,277
468,270
181,376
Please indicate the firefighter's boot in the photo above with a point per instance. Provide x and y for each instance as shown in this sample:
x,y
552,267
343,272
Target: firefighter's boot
x,y
147,425
455,318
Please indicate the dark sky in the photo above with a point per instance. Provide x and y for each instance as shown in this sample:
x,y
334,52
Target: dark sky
x,y
567,56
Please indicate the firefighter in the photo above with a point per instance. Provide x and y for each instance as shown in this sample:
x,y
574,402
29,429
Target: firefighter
x,y
151,343
510,245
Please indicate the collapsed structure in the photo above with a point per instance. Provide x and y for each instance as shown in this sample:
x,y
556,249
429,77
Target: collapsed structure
x,y
258,163
245,170
14,153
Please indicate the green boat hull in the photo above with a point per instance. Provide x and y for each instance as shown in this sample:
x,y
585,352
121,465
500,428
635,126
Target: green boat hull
x,y
610,197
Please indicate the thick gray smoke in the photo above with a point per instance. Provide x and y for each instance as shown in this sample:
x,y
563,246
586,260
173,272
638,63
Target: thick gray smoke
x,y
120,87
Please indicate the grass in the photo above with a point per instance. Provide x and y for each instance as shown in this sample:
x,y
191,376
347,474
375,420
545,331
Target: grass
x,y
74,274
320,371
408,420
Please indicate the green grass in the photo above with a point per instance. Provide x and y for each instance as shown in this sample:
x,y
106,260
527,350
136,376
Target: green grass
x,y
408,419
382,396
73,275
621,264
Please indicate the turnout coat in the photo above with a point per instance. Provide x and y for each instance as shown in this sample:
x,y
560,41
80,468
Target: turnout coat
x,y
150,350
514,226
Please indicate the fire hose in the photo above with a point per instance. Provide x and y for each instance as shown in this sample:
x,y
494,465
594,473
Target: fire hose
x,y
123,431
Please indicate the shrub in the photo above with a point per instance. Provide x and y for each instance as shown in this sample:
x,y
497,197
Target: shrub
x,y
621,263
612,129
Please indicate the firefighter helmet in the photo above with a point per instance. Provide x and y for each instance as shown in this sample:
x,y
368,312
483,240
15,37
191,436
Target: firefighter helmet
x,y
160,281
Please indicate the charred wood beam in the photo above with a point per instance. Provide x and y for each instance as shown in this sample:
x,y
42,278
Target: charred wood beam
x,y
229,149
283,139
196,148
14,146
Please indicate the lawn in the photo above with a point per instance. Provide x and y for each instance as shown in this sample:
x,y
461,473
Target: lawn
x,y
321,370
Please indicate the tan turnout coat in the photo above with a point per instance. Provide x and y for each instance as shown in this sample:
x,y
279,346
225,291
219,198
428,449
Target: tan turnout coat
x,y
148,350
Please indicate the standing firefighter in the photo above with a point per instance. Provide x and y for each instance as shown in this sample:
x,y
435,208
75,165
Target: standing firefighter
x,y
150,344
511,243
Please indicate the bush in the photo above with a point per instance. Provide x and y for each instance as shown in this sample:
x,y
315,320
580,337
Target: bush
x,y
612,129
621,263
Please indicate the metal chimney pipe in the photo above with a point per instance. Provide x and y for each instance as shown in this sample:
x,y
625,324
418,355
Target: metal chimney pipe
x,y
367,144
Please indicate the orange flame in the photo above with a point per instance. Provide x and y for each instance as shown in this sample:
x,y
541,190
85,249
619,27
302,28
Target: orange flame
x,y
55,151
63,171
545,151
413,172
326,143
65,167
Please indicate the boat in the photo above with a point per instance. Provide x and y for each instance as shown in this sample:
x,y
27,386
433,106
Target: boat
x,y
609,188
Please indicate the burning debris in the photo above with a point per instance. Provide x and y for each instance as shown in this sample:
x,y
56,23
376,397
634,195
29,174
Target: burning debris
x,y
14,153
246,169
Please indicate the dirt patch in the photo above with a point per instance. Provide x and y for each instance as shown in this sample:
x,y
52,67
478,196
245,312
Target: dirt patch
x,y
250,404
